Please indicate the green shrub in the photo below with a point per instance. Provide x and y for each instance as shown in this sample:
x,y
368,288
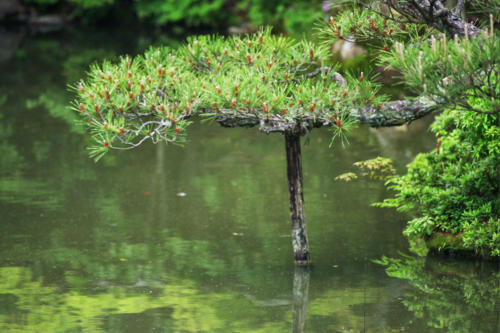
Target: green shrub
x,y
456,187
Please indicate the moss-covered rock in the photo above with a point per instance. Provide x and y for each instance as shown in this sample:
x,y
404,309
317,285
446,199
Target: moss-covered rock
x,y
453,245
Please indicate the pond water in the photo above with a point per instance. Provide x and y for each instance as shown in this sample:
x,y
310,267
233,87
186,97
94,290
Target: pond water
x,y
196,238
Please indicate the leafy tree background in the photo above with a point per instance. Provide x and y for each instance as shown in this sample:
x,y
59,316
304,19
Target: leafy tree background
x,y
295,17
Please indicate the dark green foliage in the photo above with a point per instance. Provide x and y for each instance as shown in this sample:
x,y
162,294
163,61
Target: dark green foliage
x,y
456,188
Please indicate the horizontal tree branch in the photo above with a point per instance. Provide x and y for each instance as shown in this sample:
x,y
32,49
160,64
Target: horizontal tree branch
x,y
393,113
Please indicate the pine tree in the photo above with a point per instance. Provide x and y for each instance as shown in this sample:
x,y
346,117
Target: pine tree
x,y
287,86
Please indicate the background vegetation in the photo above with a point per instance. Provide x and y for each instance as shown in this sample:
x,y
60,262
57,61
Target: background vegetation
x,y
291,16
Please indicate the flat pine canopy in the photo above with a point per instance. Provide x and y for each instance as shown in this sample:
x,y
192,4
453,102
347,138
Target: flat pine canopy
x,y
273,81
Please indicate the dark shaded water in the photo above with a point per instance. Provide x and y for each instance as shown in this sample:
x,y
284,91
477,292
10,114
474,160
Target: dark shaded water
x,y
114,247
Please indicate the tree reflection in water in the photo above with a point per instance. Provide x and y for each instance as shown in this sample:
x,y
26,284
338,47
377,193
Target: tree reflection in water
x,y
301,279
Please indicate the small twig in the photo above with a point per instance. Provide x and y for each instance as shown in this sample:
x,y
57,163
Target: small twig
x,y
391,17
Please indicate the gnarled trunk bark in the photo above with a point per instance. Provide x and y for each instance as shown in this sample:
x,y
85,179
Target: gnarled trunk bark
x,y
436,14
294,171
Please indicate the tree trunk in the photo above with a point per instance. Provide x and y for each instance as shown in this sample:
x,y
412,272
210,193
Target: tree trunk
x,y
294,172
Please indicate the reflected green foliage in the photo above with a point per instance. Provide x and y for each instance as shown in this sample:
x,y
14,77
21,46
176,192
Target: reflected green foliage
x,y
131,251
448,294
180,306
45,100
53,101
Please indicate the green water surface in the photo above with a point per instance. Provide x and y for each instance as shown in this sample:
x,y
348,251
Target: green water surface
x,y
196,238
